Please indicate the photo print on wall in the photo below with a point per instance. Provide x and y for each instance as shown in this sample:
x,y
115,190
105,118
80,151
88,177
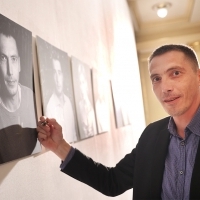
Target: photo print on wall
x,y
100,91
121,101
18,118
81,74
56,87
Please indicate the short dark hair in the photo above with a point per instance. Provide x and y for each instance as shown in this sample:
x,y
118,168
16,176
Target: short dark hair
x,y
10,29
186,50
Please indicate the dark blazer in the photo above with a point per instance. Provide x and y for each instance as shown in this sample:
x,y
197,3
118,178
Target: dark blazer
x,y
141,170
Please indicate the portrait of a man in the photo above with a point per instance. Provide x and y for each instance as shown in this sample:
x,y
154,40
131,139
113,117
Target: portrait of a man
x,y
18,136
83,98
56,85
100,87
121,101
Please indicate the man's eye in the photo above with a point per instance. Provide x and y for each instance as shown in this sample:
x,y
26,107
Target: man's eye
x,y
3,58
14,59
156,79
176,73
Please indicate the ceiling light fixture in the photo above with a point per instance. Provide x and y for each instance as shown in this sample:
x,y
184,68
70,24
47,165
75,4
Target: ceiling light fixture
x,y
162,9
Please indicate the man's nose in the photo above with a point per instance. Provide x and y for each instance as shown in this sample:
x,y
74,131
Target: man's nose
x,y
10,66
167,85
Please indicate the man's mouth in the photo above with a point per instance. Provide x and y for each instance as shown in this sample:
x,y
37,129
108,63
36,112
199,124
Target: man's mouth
x,y
171,99
11,82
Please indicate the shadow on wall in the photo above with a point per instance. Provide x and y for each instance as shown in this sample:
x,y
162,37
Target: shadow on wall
x,y
15,145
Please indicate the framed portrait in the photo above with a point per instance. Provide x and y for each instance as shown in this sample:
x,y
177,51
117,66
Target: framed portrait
x,y
18,118
56,87
83,98
121,101
100,91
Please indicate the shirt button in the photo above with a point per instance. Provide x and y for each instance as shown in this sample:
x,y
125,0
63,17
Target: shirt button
x,y
181,172
182,143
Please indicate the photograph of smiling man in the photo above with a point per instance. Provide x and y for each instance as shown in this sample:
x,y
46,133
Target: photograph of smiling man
x,y
18,136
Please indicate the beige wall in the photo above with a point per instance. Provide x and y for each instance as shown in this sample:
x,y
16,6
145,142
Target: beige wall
x,y
100,34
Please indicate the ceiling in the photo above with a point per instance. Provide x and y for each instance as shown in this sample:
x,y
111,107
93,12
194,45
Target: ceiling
x,y
182,24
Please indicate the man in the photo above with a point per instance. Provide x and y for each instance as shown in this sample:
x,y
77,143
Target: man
x,y
59,105
166,161
18,137
85,110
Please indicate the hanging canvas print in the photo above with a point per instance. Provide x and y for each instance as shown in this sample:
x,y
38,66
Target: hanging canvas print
x,y
100,91
56,87
83,98
18,118
121,103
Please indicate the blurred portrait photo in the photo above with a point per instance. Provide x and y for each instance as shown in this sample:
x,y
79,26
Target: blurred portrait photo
x,y
121,103
100,89
18,119
83,99
56,87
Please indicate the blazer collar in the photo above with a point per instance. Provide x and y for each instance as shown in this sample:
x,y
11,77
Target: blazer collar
x,y
195,181
160,152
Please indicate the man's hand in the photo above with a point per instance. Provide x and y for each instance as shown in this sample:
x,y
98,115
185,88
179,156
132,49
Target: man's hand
x,y
51,137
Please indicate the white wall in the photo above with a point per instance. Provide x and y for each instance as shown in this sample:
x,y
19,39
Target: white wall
x,y
100,34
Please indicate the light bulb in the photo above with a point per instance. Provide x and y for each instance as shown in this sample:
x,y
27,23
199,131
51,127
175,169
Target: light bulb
x,y
162,12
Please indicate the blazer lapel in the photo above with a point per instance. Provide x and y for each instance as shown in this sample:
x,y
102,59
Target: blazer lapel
x,y
161,149
195,181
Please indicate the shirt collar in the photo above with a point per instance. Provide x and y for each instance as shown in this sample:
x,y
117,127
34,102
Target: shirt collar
x,y
172,126
193,126
56,99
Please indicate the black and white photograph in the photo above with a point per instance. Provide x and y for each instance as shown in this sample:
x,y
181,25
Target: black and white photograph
x,y
18,118
82,82
121,103
100,89
56,87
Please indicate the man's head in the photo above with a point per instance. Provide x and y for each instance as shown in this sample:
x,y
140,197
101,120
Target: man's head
x,y
58,76
9,61
187,51
175,77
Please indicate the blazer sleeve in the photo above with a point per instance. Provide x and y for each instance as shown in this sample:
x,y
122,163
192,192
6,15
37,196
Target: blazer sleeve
x,y
110,181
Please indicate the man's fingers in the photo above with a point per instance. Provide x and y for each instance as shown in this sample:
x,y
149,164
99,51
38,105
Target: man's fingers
x,y
42,136
43,127
43,118
42,130
48,122
43,121
53,123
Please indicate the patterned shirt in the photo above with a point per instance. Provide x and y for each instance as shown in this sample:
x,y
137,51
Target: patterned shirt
x,y
180,160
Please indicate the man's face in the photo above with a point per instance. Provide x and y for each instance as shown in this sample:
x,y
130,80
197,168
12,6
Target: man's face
x,y
175,83
58,76
9,65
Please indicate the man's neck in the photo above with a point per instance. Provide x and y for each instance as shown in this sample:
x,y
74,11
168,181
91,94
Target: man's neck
x,y
11,103
182,121
61,98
